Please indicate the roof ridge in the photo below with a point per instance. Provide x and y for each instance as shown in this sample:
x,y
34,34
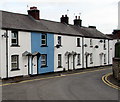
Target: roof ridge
x,y
14,13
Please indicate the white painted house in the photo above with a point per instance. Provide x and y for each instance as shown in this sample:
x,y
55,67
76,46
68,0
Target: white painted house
x,y
30,45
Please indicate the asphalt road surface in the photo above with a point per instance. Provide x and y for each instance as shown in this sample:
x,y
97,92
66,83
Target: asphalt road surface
x,y
85,86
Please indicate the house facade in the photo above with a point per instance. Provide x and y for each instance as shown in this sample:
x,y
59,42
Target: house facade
x,y
32,46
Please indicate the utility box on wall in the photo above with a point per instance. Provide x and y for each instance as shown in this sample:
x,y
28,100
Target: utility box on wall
x,y
116,62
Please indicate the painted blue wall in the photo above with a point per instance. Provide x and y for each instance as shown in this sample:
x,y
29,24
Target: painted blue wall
x,y
49,50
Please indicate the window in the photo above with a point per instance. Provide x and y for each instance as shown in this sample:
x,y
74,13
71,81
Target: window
x,y
104,44
104,58
14,62
91,58
43,40
43,60
91,43
78,42
59,61
59,40
14,38
78,59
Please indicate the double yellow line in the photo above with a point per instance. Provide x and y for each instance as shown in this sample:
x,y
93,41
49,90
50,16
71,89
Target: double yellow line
x,y
105,80
25,81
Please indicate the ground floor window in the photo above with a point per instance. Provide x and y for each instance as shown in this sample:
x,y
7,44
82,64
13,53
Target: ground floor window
x,y
43,60
14,62
59,60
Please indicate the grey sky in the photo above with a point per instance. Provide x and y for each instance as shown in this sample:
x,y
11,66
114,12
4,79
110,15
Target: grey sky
x,y
100,13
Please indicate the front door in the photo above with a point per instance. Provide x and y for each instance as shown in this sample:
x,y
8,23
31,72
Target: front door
x,y
74,62
34,65
68,62
86,61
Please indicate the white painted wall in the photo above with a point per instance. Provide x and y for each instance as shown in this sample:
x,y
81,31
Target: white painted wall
x,y
69,43
25,45
3,55
111,51
96,52
119,15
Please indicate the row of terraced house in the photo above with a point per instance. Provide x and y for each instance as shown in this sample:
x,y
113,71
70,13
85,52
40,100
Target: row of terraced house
x,y
30,45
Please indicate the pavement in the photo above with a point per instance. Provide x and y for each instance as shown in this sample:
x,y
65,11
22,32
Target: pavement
x,y
79,85
46,75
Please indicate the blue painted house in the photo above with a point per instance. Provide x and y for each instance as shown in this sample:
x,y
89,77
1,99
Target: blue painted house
x,y
42,44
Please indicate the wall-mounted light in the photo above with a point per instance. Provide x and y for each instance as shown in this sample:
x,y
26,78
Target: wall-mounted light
x,y
5,35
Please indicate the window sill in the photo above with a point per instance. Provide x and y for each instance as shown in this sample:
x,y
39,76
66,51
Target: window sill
x,y
59,67
15,69
44,46
15,45
44,66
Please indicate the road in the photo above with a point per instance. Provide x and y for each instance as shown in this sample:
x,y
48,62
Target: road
x,y
84,86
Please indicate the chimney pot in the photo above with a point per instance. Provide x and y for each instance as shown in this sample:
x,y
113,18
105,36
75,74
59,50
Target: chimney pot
x,y
77,22
75,17
33,8
64,19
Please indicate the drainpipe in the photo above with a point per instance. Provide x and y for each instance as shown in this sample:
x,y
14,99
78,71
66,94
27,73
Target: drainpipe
x,y
82,52
6,53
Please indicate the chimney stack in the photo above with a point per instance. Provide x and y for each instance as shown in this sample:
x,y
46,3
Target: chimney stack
x,y
64,19
77,21
34,12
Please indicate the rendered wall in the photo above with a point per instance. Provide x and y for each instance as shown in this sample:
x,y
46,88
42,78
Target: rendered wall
x,y
49,50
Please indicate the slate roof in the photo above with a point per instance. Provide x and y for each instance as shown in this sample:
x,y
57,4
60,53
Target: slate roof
x,y
27,23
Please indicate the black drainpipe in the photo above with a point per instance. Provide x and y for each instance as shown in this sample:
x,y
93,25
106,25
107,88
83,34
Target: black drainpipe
x,y
6,53
82,52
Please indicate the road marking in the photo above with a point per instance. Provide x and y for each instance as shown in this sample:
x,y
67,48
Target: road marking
x,y
105,80
25,81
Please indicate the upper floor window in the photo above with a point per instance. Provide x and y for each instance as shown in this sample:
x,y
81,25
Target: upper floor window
x,y
78,59
91,43
104,45
78,42
59,40
14,38
14,62
59,60
43,60
43,40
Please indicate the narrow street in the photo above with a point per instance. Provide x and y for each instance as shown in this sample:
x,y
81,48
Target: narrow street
x,y
81,86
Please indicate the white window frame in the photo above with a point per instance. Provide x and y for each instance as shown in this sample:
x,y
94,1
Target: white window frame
x,y
43,60
14,38
59,60
59,40
44,39
15,62
104,44
78,42
91,42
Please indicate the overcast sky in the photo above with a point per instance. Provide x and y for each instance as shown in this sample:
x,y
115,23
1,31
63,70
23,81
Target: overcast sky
x,y
100,13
